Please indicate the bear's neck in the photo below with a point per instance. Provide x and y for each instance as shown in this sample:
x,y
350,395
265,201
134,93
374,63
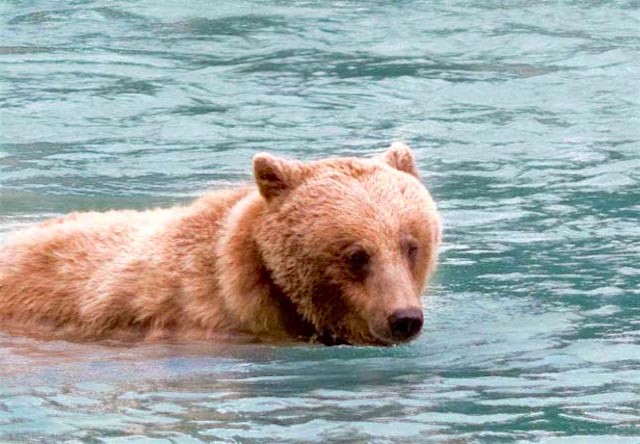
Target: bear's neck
x,y
250,296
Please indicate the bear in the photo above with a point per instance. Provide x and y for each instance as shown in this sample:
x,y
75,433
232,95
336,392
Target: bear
x,y
331,251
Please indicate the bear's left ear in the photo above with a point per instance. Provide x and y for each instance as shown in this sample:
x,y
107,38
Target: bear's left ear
x,y
400,157
275,176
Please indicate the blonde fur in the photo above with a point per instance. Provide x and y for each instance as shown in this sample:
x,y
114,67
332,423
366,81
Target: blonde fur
x,y
254,261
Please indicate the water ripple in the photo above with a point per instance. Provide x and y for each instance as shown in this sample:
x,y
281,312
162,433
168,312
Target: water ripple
x,y
524,118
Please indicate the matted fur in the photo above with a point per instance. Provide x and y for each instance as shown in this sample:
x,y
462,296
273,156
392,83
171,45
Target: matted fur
x,y
266,261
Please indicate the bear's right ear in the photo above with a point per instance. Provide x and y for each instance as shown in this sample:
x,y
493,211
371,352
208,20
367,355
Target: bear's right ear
x,y
274,176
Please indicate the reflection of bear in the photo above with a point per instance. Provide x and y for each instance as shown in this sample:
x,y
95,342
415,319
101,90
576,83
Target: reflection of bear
x,y
337,249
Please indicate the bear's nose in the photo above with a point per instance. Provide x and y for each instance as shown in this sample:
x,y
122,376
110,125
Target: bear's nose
x,y
405,323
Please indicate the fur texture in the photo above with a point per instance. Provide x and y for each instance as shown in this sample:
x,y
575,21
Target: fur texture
x,y
327,249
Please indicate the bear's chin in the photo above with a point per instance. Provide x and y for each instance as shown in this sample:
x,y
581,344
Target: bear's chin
x,y
328,338
371,339
386,339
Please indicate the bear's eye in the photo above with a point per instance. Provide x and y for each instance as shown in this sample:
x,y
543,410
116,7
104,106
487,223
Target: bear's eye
x,y
411,248
359,261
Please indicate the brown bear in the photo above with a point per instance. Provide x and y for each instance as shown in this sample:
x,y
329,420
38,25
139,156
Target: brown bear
x,y
336,250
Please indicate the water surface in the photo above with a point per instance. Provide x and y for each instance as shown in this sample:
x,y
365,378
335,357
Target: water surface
x,y
525,121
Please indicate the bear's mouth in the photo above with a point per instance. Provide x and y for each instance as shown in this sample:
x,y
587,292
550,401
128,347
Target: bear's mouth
x,y
329,339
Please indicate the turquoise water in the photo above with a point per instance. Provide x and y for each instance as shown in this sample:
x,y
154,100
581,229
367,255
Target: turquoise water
x,y
525,121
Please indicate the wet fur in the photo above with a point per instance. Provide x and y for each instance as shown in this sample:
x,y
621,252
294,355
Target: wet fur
x,y
262,261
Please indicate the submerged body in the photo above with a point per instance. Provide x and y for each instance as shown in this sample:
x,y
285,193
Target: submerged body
x,y
95,275
338,250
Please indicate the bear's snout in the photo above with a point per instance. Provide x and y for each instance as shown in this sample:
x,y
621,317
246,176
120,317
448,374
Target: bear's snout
x,y
405,323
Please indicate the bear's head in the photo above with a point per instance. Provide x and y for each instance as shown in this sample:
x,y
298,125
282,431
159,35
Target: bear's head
x,y
349,242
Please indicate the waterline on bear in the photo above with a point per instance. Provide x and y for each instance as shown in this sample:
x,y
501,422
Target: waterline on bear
x,y
335,251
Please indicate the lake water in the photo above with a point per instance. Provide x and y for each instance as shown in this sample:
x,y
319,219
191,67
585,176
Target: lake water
x,y
525,119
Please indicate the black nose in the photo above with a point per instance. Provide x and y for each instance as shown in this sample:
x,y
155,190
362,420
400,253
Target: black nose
x,y
405,323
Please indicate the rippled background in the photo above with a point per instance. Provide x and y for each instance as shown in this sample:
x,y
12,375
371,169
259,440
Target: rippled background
x,y
525,120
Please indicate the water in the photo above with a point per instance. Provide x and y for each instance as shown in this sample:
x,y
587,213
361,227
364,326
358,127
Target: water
x,y
525,121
